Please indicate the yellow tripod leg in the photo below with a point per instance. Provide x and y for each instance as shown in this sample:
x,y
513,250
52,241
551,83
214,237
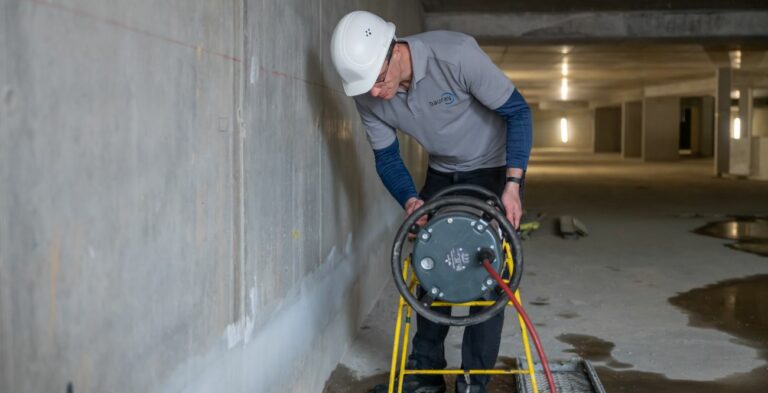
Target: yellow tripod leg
x,y
523,330
405,349
396,345
527,347
402,306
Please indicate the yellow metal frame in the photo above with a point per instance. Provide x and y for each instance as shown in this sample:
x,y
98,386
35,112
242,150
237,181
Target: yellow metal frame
x,y
400,345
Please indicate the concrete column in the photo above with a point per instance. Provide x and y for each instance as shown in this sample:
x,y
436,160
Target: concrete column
x,y
607,130
740,160
632,129
661,128
707,123
723,120
759,158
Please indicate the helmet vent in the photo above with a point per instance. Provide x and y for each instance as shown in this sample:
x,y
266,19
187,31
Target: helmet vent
x,y
368,32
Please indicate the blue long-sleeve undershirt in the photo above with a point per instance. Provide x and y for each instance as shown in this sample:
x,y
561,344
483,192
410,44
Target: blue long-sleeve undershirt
x,y
394,175
517,113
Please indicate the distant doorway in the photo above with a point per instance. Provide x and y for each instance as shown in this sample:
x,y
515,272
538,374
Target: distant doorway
x,y
690,131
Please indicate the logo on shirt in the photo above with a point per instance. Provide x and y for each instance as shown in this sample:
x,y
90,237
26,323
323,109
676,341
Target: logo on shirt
x,y
447,98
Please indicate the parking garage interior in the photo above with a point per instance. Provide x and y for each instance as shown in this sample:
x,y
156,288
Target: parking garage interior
x,y
188,202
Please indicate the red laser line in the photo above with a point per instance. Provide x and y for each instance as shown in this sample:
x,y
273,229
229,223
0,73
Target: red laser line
x,y
121,25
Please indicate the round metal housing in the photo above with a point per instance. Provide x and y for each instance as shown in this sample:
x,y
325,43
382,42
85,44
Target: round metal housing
x,y
485,207
451,242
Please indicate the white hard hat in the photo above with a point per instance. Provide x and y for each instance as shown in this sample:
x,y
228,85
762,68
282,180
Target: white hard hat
x,y
359,44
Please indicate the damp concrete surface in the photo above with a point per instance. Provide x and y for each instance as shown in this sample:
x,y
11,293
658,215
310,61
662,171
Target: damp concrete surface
x,y
654,306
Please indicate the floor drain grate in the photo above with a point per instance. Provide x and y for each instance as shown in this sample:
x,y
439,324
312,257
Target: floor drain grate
x,y
574,376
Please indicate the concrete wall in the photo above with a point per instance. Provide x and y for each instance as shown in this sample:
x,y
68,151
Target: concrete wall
x,y
607,130
661,128
188,201
546,129
632,129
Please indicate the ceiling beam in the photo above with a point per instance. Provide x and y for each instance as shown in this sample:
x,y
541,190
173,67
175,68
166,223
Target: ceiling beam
x,y
562,105
697,87
604,26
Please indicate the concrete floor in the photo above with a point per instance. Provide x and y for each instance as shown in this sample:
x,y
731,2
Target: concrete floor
x,y
607,296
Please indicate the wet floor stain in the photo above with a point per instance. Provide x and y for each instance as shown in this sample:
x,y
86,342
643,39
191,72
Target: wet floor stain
x,y
343,380
568,315
592,348
759,248
750,233
738,307
540,301
630,381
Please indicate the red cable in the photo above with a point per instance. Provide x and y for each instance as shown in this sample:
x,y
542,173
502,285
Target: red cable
x,y
528,324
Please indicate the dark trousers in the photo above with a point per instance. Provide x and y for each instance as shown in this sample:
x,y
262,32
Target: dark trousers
x,y
480,346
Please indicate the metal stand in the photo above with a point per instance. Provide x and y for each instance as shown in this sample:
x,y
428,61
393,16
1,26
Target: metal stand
x,y
402,328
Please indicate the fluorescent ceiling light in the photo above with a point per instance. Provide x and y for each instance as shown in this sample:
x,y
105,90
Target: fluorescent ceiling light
x,y
564,130
564,89
737,128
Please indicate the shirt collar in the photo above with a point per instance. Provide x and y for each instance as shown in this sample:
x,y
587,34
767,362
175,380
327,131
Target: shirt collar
x,y
418,58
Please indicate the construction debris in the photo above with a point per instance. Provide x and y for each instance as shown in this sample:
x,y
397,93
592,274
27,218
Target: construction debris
x,y
529,223
572,228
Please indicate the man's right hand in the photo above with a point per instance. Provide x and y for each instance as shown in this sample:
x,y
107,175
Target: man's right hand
x,y
411,205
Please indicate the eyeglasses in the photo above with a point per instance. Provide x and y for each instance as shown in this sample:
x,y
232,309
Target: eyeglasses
x,y
383,75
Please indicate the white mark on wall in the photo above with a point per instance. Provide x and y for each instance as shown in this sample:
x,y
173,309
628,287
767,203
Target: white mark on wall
x,y
242,331
249,320
254,72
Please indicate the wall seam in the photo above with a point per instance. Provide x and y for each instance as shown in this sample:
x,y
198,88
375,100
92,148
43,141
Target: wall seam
x,y
239,249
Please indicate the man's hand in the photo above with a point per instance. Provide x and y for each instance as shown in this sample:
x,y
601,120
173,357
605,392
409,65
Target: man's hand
x,y
511,200
411,205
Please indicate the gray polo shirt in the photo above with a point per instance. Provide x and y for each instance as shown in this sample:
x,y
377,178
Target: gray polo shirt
x,y
449,107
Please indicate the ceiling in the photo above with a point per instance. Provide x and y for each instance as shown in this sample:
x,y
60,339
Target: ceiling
x,y
603,69
585,5
594,72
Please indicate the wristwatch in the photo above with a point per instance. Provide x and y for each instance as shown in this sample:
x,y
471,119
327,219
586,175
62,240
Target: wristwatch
x,y
513,179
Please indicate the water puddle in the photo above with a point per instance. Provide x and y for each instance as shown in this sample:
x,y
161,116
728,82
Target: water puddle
x,y
738,307
750,233
630,381
343,380
592,348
